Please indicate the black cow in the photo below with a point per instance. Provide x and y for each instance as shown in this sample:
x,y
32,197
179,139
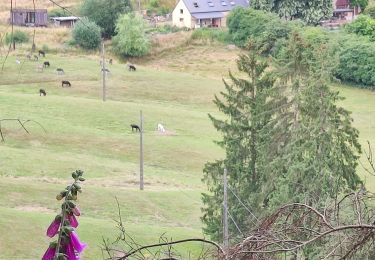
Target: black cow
x,y
137,128
45,64
40,52
132,67
65,83
60,71
42,92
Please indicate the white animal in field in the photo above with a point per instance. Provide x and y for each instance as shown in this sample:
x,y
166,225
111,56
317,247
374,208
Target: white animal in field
x,y
161,128
18,61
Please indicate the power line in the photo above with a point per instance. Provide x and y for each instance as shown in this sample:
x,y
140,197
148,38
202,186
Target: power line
x,y
234,222
243,204
67,10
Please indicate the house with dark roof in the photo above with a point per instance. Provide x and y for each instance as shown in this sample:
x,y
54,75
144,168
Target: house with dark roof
x,y
204,13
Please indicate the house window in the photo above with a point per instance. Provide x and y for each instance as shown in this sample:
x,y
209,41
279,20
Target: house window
x,y
223,3
195,4
181,11
210,4
181,19
30,17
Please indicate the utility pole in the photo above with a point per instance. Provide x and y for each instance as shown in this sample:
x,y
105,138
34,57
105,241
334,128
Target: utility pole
x,y
141,153
103,71
225,211
12,21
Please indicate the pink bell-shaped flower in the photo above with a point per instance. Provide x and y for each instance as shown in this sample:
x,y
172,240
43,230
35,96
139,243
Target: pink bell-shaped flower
x,y
77,244
72,220
53,228
49,254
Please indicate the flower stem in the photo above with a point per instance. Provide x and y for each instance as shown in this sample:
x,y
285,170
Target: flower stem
x,y
62,221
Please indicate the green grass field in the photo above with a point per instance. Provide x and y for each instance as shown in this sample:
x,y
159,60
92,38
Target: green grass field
x,y
83,132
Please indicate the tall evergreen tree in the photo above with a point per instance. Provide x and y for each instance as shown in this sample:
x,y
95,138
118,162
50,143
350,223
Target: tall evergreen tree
x,y
244,138
318,159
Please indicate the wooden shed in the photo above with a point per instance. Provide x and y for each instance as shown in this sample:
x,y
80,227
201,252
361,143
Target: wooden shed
x,y
29,17
68,21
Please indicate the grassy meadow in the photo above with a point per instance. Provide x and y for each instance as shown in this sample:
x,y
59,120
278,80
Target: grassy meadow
x,y
174,87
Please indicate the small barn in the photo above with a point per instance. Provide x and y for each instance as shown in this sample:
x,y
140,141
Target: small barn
x,y
204,13
343,10
67,21
29,17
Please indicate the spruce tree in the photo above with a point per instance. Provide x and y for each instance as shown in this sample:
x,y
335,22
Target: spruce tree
x,y
243,127
318,159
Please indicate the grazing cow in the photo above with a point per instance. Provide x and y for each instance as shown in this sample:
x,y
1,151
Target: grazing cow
x,y
60,71
110,61
161,128
131,67
36,58
137,128
42,92
40,52
65,83
45,64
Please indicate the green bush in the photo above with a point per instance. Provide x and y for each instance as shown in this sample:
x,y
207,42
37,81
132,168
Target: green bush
x,y
18,36
57,13
211,34
131,39
265,29
165,29
370,11
105,13
364,25
357,62
86,34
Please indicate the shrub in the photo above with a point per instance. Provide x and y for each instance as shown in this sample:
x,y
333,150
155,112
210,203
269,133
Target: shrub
x,y
154,7
211,34
364,25
165,29
357,62
263,28
18,37
86,34
57,13
370,11
131,39
105,13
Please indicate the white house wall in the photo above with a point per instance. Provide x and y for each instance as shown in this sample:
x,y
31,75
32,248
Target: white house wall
x,y
184,19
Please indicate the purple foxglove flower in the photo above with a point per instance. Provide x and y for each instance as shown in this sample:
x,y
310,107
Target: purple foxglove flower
x,y
72,220
76,211
77,244
49,254
69,251
53,228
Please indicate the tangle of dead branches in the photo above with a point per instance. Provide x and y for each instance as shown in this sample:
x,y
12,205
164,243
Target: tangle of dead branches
x,y
126,247
22,123
345,229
